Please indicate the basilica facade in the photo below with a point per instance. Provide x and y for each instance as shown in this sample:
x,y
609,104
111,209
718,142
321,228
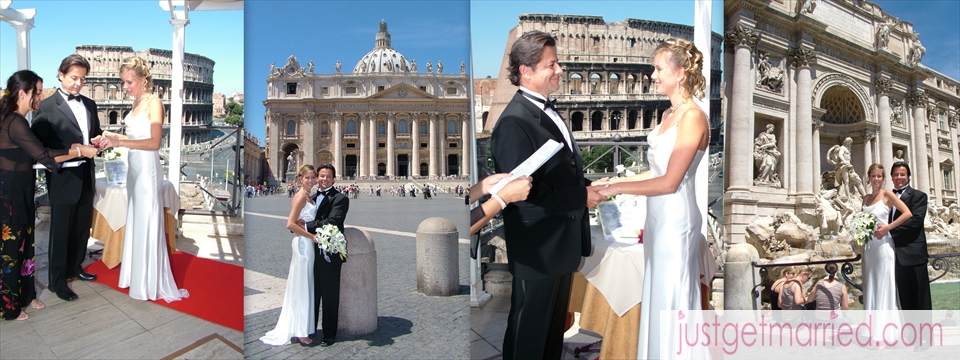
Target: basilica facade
x,y
605,88
385,118
810,77
105,87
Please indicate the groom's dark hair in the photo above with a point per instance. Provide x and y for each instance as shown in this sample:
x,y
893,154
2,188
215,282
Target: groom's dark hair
x,y
902,164
328,167
73,60
527,50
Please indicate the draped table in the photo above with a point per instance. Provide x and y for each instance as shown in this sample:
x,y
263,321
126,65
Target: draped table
x,y
608,289
110,218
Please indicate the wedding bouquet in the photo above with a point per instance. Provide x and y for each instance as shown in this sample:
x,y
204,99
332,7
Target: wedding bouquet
x,y
330,239
862,225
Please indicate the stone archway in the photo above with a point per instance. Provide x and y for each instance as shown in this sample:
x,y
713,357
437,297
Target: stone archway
x,y
288,167
825,85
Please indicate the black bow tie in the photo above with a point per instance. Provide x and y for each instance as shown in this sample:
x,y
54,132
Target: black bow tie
x,y
899,191
71,97
325,193
547,104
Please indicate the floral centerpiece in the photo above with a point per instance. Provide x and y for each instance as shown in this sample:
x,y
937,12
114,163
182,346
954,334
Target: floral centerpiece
x,y
115,167
862,225
330,239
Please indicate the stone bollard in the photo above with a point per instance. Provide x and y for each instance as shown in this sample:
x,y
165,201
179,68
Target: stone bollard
x,y
358,285
438,269
739,278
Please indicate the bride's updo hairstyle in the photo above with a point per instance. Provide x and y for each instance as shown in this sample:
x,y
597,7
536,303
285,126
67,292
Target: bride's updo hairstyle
x,y
140,68
683,55
875,167
303,171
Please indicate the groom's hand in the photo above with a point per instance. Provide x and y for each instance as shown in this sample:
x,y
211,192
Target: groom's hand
x,y
301,223
593,196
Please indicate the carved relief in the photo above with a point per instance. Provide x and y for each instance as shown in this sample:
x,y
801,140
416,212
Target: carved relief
x,y
916,50
883,32
766,156
896,112
769,77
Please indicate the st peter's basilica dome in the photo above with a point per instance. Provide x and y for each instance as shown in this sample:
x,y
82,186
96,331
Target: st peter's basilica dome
x,y
383,58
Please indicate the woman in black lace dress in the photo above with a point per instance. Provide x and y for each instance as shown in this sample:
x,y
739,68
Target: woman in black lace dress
x,y
18,150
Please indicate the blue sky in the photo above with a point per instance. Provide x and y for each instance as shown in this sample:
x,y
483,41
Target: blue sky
x,y
938,23
62,25
340,30
492,20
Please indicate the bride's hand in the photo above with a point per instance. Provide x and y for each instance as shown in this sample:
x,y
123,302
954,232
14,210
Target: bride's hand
x,y
881,231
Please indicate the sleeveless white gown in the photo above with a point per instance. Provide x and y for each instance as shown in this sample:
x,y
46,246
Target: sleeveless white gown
x,y
672,256
296,315
145,264
879,278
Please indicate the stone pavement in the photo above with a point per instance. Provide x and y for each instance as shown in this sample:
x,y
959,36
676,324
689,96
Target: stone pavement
x,y
106,324
411,325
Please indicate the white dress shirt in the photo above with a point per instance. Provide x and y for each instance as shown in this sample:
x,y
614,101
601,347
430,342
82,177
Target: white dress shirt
x,y
80,112
552,114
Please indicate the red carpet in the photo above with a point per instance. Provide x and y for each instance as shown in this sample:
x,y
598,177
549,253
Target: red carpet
x,y
216,288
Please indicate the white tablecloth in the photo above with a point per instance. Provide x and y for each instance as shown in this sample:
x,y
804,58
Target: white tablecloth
x,y
616,269
111,202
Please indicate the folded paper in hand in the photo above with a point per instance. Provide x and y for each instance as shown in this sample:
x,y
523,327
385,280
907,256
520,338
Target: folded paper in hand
x,y
531,164
66,164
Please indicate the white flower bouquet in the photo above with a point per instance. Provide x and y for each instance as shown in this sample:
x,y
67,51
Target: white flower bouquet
x,y
330,239
862,225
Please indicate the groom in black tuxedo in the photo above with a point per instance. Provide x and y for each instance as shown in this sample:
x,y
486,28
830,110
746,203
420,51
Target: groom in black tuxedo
x,y
66,118
548,233
332,208
910,243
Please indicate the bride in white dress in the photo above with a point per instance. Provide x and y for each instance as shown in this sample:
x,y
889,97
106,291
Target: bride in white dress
x,y
296,315
879,278
672,237
145,263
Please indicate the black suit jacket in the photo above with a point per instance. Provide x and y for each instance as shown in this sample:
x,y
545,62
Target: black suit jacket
x,y
333,210
57,128
548,233
909,239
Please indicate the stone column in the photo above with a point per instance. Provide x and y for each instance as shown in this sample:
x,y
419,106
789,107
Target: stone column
x,y
337,134
954,144
802,59
816,158
740,127
868,136
465,143
936,181
415,148
918,101
433,145
362,166
886,138
391,156
273,151
372,129
309,138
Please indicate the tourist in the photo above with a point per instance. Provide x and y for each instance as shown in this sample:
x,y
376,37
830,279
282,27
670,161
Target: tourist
x,y
830,295
787,274
19,148
672,236
791,296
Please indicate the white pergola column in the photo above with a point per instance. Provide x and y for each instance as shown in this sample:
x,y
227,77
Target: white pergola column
x,y
22,22
179,22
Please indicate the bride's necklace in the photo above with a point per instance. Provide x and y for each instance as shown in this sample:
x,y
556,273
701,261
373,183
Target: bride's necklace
x,y
678,105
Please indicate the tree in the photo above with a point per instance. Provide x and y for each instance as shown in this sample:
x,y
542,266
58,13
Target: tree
x,y
234,113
